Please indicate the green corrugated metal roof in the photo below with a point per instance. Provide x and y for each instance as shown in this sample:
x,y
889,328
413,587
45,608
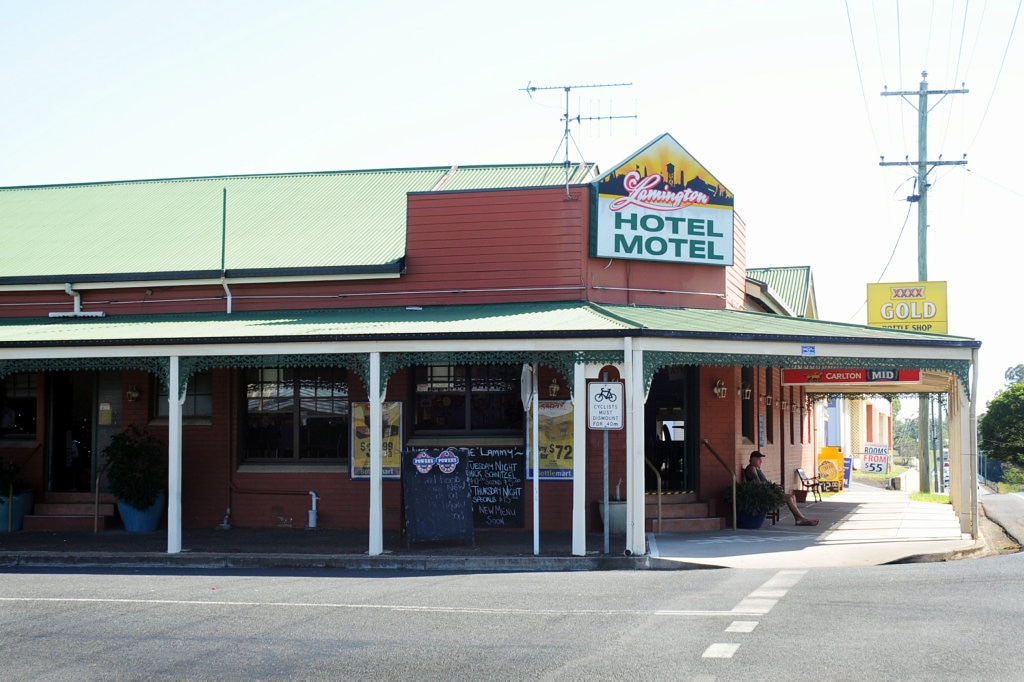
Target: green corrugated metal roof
x,y
791,285
746,325
171,229
489,177
513,320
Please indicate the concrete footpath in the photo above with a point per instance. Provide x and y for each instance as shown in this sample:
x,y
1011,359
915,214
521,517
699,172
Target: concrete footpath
x,y
861,526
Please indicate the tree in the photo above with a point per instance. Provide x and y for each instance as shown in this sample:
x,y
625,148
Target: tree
x,y
1001,428
1014,375
905,437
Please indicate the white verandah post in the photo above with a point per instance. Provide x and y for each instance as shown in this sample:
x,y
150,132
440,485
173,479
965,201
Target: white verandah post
x,y
376,398
174,411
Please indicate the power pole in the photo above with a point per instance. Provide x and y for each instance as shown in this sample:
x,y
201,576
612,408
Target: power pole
x,y
922,232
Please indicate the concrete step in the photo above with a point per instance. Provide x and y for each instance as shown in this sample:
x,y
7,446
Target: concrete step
x,y
670,497
680,513
77,498
685,510
72,509
66,522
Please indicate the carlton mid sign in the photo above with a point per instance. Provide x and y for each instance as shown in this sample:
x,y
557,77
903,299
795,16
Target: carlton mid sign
x,y
912,306
662,205
801,377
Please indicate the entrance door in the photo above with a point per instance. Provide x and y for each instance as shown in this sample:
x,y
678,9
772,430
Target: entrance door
x,y
72,416
670,424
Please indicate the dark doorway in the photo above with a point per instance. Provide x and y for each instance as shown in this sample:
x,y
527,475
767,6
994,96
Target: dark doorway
x,y
72,414
670,430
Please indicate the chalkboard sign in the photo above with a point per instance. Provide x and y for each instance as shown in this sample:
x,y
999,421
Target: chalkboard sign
x,y
496,478
438,499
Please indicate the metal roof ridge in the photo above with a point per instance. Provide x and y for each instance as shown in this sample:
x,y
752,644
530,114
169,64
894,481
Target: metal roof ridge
x,y
601,309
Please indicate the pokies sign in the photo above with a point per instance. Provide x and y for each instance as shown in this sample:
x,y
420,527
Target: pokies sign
x,y
661,205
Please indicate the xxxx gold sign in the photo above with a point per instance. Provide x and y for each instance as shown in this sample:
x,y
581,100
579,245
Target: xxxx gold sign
x,y
911,306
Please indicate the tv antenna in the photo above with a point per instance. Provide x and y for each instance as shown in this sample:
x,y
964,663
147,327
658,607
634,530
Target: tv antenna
x,y
567,119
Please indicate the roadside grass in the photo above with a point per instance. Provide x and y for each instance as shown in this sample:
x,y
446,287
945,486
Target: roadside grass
x,y
883,478
938,498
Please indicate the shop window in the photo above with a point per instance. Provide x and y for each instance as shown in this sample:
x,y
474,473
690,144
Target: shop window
x,y
467,399
295,414
18,407
198,398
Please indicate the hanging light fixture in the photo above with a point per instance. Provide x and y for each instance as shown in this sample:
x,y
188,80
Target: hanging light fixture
x,y
720,389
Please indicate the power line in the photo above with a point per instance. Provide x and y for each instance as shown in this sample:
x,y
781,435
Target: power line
x,y
1002,63
860,77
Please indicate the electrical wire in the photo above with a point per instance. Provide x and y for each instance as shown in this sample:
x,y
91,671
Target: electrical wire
x,y
956,70
995,84
860,78
895,246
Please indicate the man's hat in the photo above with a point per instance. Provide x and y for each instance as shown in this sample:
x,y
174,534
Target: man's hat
x,y
756,453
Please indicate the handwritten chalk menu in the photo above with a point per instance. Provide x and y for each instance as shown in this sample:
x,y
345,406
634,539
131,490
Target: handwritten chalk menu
x,y
438,498
496,478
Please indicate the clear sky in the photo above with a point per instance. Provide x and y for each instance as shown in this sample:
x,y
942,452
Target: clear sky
x,y
779,100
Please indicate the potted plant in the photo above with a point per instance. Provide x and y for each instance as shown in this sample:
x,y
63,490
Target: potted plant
x,y
16,496
135,462
754,499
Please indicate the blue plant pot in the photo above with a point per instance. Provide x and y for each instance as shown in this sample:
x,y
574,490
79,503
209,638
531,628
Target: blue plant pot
x,y
142,520
22,507
749,521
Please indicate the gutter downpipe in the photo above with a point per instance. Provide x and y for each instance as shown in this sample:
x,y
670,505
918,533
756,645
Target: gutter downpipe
x,y
223,247
227,291
77,312
69,290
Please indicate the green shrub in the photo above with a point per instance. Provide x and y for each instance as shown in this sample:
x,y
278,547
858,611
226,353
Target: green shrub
x,y
136,466
756,497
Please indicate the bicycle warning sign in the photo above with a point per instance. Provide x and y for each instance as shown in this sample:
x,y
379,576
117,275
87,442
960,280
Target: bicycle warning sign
x,y
605,405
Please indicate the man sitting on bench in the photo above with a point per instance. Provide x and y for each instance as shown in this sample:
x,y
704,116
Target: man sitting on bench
x,y
752,472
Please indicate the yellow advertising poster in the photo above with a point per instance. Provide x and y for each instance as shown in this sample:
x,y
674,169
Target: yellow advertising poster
x,y
830,470
555,437
911,306
392,442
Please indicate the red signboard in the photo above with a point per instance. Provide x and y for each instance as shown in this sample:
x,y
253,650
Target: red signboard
x,y
850,376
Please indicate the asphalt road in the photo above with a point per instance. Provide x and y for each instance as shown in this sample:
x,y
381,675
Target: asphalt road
x,y
1007,510
914,621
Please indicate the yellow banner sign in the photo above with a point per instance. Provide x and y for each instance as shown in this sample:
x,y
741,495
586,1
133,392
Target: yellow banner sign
x,y
391,445
830,470
555,438
911,306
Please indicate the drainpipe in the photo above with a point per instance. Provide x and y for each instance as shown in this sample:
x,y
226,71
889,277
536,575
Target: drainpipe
x,y
224,283
224,246
77,312
312,512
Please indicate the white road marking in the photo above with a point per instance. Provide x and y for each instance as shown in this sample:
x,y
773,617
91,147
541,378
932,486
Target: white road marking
x,y
742,626
720,650
765,597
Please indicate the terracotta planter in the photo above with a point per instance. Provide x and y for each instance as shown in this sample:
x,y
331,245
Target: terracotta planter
x,y
800,495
